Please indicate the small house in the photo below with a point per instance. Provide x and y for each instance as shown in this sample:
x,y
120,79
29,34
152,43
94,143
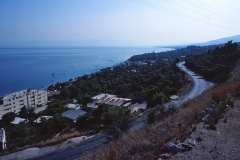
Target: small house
x,y
72,115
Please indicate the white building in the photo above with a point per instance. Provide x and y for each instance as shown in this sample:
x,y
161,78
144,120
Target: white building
x,y
29,98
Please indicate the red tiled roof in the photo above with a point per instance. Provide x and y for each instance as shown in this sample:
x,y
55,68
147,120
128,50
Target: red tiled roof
x,y
113,101
104,100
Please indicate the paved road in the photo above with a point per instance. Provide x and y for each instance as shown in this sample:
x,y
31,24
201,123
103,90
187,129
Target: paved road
x,y
71,149
75,151
199,85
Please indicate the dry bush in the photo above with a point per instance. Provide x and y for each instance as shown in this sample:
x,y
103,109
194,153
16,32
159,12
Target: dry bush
x,y
57,140
221,92
150,141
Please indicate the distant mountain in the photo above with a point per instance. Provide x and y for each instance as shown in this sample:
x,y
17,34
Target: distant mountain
x,y
220,41
212,42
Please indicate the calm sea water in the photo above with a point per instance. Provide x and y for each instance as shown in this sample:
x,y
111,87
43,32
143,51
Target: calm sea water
x,y
35,68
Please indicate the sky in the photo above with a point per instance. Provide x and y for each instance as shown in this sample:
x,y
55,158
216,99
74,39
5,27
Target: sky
x,y
117,22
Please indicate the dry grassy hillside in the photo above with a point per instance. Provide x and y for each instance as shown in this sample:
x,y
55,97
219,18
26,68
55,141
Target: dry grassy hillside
x,y
152,142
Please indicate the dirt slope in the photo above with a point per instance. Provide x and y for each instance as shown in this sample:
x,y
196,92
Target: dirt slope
x,y
222,143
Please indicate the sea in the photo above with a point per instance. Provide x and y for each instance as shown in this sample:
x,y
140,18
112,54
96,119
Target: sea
x,y
37,68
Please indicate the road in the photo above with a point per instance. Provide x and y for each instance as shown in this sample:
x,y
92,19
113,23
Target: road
x,y
70,149
75,150
199,85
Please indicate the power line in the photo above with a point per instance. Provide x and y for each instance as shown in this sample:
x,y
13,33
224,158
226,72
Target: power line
x,y
216,11
178,13
216,18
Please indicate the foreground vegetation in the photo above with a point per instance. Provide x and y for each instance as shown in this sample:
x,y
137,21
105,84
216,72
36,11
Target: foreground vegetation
x,y
150,141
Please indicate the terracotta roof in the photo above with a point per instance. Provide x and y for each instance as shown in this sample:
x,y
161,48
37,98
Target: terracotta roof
x,y
104,100
113,101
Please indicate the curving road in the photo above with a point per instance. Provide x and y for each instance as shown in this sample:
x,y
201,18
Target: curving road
x,y
199,85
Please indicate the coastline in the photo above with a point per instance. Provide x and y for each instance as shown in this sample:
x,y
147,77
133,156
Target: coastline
x,y
96,62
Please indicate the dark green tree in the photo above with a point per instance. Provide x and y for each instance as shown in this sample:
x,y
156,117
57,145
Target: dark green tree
x,y
8,117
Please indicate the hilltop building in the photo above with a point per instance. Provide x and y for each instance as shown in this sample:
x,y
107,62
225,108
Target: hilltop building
x,y
111,100
29,98
115,101
100,96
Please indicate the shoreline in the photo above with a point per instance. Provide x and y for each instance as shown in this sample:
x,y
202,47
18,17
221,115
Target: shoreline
x,y
85,73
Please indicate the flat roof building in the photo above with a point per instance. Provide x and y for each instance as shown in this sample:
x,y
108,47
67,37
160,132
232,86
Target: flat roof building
x,y
29,98
18,120
39,119
73,114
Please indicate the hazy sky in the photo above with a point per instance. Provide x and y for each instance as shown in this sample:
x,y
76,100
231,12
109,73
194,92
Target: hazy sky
x,y
119,22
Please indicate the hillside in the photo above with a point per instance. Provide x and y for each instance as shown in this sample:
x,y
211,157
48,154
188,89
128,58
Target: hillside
x,y
172,134
210,64
220,41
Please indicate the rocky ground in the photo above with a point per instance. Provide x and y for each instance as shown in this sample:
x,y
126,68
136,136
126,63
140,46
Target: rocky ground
x,y
222,143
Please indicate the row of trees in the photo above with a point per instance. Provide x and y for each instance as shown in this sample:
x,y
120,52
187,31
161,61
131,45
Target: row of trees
x,y
215,65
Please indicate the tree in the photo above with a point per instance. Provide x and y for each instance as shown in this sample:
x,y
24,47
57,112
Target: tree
x,y
56,107
58,123
22,130
82,122
23,112
8,117
113,113
46,127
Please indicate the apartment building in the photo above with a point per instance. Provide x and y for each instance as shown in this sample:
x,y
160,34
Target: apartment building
x,y
29,98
